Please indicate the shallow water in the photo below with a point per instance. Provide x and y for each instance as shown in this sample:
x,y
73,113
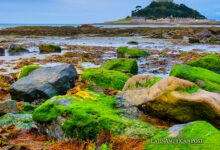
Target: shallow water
x,y
144,43
2,26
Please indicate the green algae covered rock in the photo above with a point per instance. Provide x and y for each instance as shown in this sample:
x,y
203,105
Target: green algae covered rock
x,y
47,48
123,65
27,70
206,79
84,115
125,52
211,62
198,135
21,121
140,81
13,48
176,99
107,79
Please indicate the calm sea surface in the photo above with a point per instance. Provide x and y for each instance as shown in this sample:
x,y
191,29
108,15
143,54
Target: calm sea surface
x,y
2,26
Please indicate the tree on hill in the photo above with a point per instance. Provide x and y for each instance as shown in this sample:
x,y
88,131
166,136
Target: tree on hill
x,y
167,9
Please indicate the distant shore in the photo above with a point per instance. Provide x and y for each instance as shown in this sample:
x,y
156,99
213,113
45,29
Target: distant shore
x,y
99,31
111,23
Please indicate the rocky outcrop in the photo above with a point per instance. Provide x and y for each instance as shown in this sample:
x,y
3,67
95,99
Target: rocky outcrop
x,y
177,99
8,106
44,83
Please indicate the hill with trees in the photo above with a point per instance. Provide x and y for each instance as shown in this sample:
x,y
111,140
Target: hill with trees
x,y
158,10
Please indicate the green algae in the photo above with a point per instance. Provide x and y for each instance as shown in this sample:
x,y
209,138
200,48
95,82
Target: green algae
x,y
129,65
151,83
27,70
205,134
28,108
19,49
87,117
191,90
211,62
108,79
131,53
133,42
21,121
49,48
193,74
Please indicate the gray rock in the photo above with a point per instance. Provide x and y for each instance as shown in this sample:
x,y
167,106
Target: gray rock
x,y
53,129
8,106
207,34
2,52
44,83
15,48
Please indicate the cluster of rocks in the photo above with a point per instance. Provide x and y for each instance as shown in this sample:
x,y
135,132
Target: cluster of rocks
x,y
190,94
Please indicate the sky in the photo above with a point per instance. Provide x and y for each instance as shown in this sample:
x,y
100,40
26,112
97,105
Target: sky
x,y
85,11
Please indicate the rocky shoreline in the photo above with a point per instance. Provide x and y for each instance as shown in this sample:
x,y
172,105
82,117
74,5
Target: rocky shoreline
x,y
98,88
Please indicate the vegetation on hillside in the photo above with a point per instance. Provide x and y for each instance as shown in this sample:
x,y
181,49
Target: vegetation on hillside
x,y
167,9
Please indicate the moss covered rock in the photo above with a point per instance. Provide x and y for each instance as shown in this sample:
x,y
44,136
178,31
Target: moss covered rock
x,y
83,115
206,79
47,48
123,65
177,99
140,81
107,79
21,121
211,62
27,70
125,52
13,48
198,135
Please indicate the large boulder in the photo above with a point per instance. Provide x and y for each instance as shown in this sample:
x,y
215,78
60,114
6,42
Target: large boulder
x,y
125,52
206,79
194,135
123,65
177,99
44,83
8,106
140,81
84,115
211,62
107,79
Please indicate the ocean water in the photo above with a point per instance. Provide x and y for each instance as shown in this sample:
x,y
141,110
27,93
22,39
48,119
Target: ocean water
x,y
5,25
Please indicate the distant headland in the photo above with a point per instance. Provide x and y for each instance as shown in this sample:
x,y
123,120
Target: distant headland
x,y
165,12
